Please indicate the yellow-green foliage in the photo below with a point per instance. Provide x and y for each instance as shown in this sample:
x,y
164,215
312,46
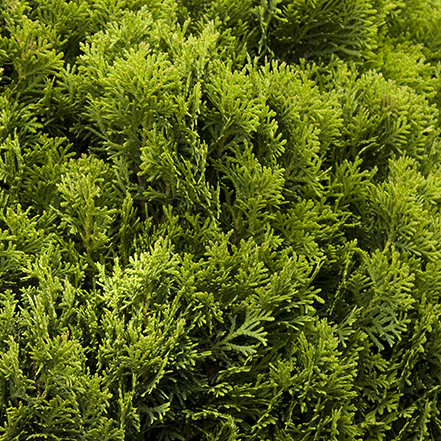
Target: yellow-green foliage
x,y
220,220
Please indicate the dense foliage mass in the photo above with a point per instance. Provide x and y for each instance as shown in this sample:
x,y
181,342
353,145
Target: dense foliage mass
x,y
220,220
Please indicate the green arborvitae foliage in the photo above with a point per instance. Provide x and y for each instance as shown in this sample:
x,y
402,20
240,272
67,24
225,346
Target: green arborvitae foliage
x,y
220,220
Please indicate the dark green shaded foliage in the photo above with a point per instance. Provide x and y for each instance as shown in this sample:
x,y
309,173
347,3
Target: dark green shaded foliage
x,y
219,220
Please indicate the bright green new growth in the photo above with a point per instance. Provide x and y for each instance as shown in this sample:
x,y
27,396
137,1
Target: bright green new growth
x,y
220,220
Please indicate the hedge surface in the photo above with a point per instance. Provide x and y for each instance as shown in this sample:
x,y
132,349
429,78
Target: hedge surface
x,y
220,220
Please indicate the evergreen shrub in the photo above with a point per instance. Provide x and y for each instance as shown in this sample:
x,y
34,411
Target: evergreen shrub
x,y
220,220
